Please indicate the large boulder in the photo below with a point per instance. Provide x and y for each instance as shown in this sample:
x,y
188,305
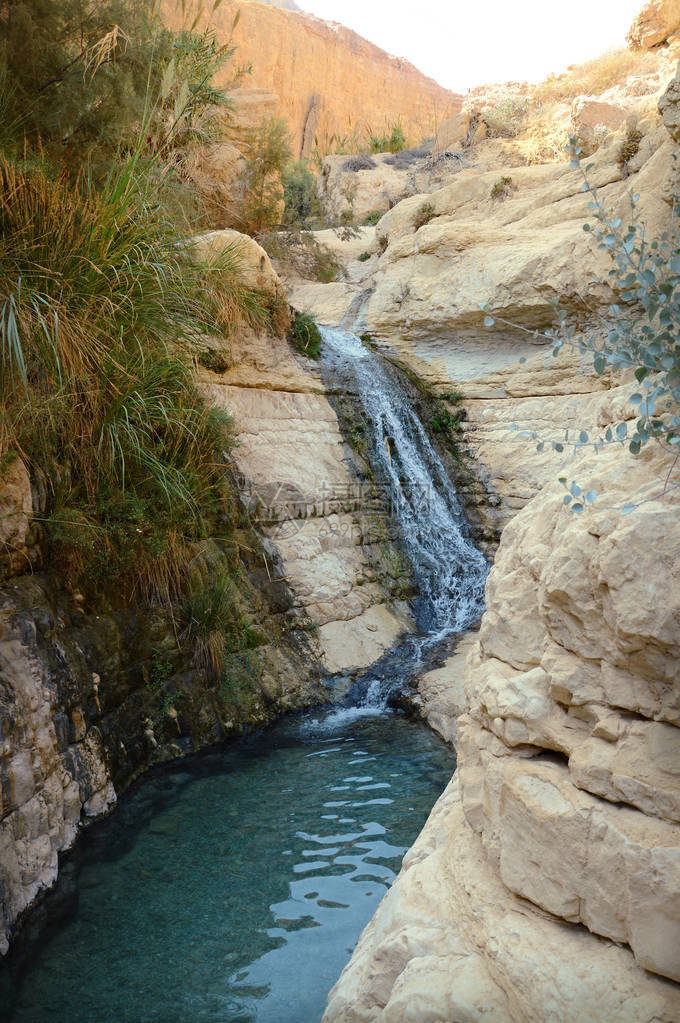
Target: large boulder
x,y
655,23
354,186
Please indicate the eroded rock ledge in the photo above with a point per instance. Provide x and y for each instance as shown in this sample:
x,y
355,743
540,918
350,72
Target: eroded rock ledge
x,y
546,883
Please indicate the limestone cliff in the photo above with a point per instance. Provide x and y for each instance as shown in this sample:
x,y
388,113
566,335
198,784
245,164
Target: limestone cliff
x,y
545,884
328,79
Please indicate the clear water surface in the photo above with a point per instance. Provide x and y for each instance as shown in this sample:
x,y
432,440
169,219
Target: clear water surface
x,y
234,886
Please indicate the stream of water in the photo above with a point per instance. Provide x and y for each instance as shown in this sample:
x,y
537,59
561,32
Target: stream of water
x,y
233,886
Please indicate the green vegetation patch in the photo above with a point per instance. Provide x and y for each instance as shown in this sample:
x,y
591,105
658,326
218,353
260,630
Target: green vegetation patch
x,y
305,335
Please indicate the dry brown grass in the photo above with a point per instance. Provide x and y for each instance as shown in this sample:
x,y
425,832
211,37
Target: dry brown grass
x,y
595,76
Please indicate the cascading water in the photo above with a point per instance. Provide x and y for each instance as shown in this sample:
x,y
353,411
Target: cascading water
x,y
449,570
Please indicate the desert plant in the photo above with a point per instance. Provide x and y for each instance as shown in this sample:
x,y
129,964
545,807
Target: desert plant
x,y
268,154
629,148
502,188
359,163
507,118
594,77
306,336
363,257
372,218
393,141
301,205
423,215
302,253
97,304
210,613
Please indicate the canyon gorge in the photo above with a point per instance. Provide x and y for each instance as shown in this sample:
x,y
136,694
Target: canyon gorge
x,y
545,884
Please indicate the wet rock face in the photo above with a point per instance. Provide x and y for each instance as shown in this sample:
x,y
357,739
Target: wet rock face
x,y
83,711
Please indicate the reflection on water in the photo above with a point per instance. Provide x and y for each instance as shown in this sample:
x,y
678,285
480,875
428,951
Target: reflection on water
x,y
233,887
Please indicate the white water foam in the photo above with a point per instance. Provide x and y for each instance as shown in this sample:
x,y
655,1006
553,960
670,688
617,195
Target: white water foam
x,y
449,570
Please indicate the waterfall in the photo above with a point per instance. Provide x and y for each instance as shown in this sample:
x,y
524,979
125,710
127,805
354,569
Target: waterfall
x,y
449,570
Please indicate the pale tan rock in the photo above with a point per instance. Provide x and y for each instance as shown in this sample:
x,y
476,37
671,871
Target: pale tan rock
x,y
441,692
16,511
591,119
359,641
636,762
450,940
343,190
327,303
654,24
669,107
516,256
256,264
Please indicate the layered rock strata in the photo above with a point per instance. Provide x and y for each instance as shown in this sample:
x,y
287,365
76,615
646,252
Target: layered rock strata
x,y
312,504
545,884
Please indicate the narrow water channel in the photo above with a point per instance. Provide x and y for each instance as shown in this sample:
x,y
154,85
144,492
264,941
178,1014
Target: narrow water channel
x,y
233,886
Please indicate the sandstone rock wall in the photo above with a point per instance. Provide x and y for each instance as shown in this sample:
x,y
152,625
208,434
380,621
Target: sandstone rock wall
x,y
328,79
655,23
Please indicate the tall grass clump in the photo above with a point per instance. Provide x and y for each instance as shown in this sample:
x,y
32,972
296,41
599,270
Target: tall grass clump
x,y
595,76
99,305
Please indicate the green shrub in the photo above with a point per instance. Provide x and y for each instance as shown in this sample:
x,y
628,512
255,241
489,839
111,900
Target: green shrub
x,y
372,218
306,336
98,306
453,397
442,422
392,142
502,188
423,215
301,205
364,256
211,618
268,153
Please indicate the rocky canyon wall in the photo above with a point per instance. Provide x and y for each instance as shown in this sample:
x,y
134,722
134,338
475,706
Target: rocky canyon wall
x,y
328,80
545,884
89,700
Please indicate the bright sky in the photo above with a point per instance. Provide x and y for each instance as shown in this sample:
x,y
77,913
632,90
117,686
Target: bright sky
x,y
464,43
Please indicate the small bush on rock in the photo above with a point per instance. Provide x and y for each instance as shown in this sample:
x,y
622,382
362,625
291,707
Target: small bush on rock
x,y
372,218
306,335
507,118
502,189
423,215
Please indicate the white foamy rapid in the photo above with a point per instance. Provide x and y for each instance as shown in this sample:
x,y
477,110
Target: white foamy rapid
x,y
449,570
